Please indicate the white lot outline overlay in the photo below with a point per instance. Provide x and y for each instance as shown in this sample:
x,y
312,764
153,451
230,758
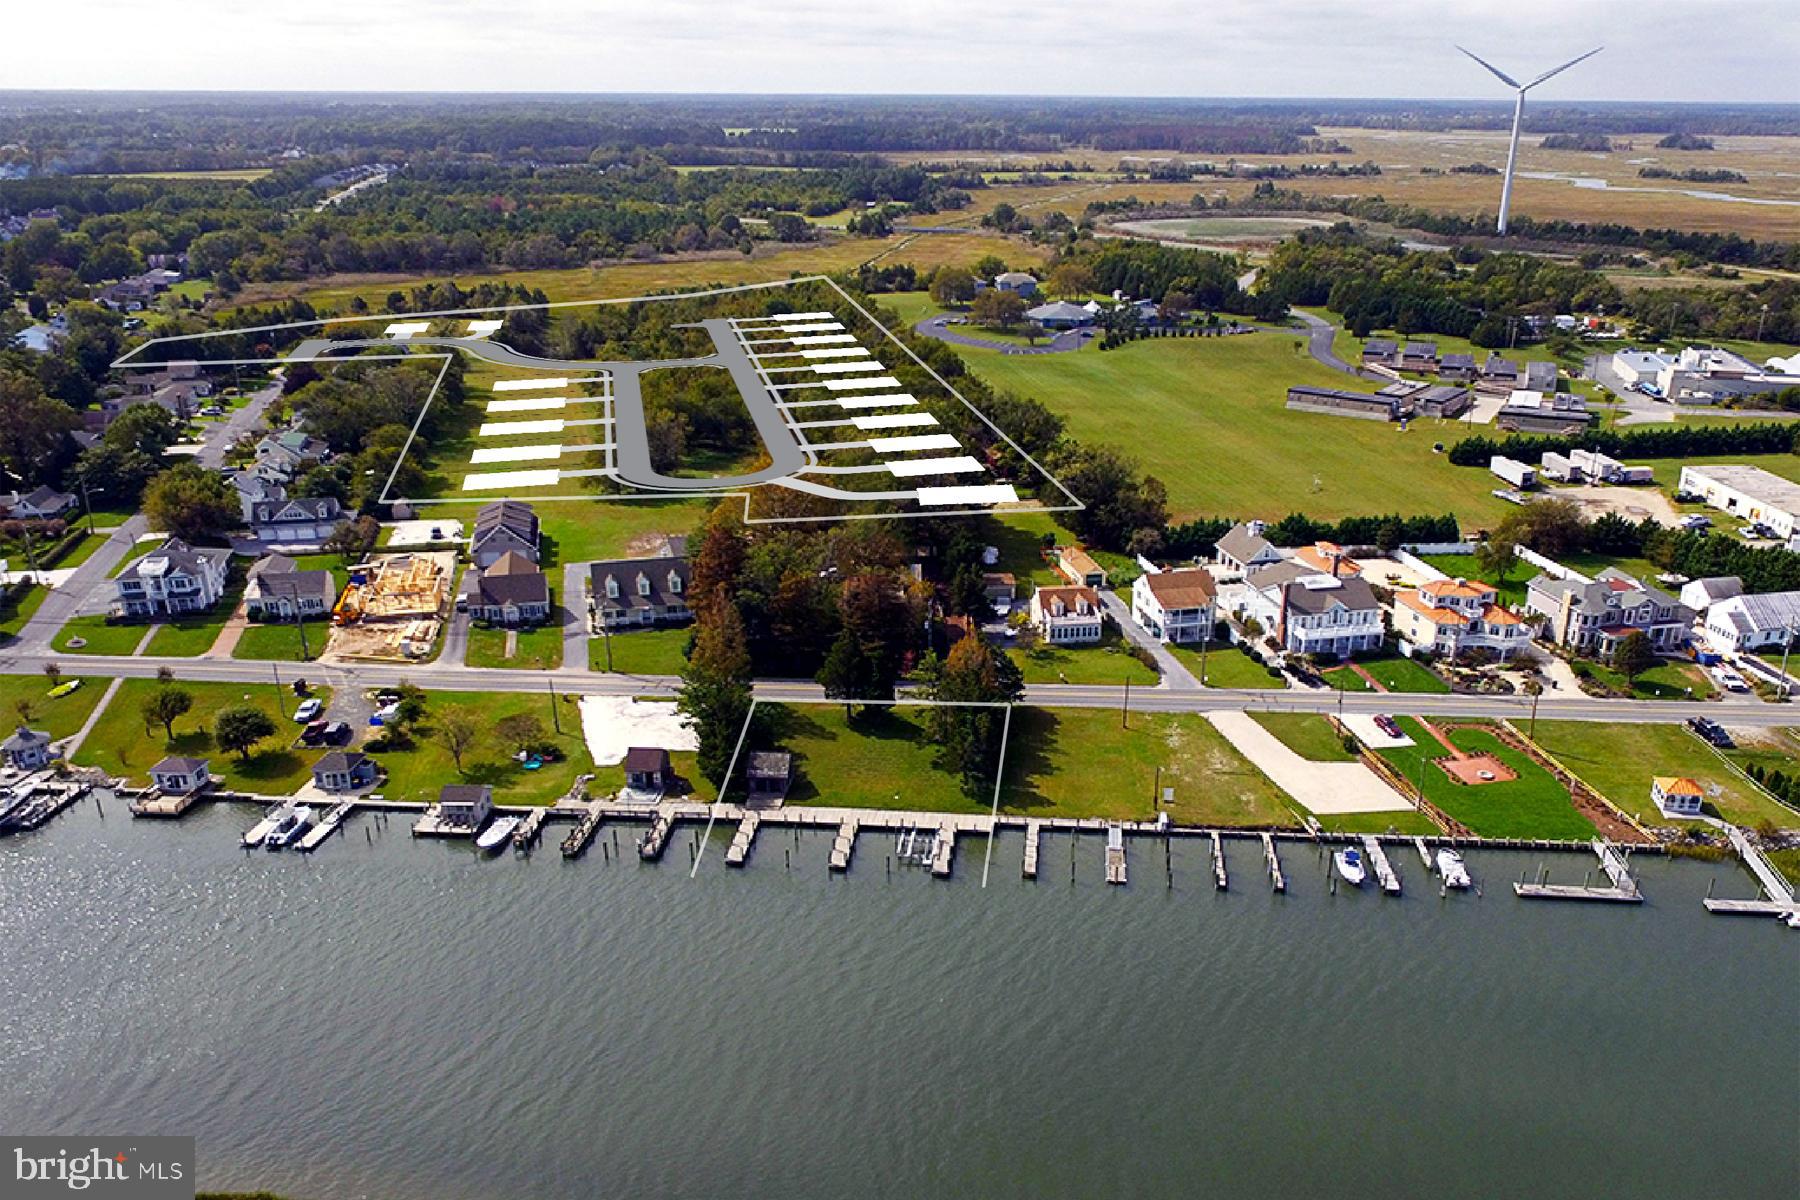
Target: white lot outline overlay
x,y
987,860
131,360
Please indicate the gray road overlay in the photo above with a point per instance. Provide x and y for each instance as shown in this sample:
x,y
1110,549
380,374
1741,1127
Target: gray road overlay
x,y
632,453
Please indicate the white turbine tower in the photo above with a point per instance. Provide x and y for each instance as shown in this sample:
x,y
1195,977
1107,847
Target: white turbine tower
x,y
1519,89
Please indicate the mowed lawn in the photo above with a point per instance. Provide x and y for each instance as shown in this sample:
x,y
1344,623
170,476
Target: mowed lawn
x,y
59,717
575,531
877,758
282,642
18,605
419,773
120,745
1228,667
1619,761
641,651
1080,763
1532,806
1309,735
1394,674
1110,661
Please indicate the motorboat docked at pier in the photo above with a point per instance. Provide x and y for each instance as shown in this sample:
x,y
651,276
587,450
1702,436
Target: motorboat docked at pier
x,y
1350,865
498,832
1450,866
292,826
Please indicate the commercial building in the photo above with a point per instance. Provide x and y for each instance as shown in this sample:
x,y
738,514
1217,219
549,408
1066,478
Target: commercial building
x,y
1544,412
1704,375
1740,624
1749,493
1175,606
1338,403
1520,475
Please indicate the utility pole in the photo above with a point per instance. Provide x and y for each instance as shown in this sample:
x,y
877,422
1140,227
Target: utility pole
x,y
1787,644
280,700
555,717
88,505
300,624
1125,709
1760,318
31,556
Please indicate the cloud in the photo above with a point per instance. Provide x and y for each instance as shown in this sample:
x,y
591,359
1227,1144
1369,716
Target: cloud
x,y
1668,49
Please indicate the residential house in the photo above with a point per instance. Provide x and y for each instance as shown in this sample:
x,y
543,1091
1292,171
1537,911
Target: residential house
x,y
1594,616
1067,616
647,769
1175,606
309,520
1328,558
1379,352
510,592
1498,374
41,504
464,806
503,527
1016,281
1079,568
769,775
174,578
344,771
1000,587
1419,356
1739,624
1451,617
1244,548
291,452
639,591
1060,314
1339,403
26,750
1677,796
278,590
180,776
1308,611
253,489
1454,365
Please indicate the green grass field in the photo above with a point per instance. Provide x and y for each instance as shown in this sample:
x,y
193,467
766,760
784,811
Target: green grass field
x,y
641,651
1228,667
419,773
1080,763
538,649
19,605
1395,674
1667,680
59,717
1409,823
1533,805
1618,761
281,642
120,745
98,636
1108,662
880,758
1309,735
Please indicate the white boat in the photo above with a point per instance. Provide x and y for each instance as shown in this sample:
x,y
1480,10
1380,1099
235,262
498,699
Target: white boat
x,y
1350,866
1450,866
498,832
259,833
290,828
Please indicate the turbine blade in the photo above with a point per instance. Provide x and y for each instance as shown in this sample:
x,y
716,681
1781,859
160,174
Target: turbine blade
x,y
1508,80
1561,69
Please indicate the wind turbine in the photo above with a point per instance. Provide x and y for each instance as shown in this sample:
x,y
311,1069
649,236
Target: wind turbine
x,y
1512,152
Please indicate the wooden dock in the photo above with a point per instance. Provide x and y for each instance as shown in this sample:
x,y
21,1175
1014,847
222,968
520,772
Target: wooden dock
x,y
582,835
1115,853
656,838
1425,857
1773,884
157,804
1277,880
334,817
844,845
1032,831
530,829
943,850
1624,889
1220,882
1751,908
739,850
1385,874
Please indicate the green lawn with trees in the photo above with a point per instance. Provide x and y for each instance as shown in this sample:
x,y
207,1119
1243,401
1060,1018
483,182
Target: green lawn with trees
x,y
125,743
26,700
1619,761
1110,661
485,730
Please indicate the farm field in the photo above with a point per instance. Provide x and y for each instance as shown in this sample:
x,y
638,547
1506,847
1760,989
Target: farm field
x,y
1080,763
1618,761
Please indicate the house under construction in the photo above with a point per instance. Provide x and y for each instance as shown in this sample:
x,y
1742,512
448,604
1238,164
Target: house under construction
x,y
393,606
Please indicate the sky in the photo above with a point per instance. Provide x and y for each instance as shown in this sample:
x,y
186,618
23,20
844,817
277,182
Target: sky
x,y
1720,50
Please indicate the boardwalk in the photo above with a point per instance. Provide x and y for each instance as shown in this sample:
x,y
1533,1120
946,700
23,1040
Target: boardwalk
x,y
1220,881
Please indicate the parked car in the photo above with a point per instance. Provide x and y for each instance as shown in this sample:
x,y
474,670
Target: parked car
x,y
313,734
1388,725
336,734
309,709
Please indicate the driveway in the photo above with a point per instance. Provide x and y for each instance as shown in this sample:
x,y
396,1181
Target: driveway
x,y
456,639
573,611
1323,787
1175,676
1320,334
939,328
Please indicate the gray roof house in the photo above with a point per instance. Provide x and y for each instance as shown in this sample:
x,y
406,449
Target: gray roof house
x,y
1595,615
174,578
1244,548
1309,611
1060,315
344,771
510,592
290,451
501,527
309,520
26,749
1382,351
178,775
41,504
639,591
278,590
251,489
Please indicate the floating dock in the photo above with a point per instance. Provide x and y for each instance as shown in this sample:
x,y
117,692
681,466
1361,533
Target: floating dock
x,y
656,838
153,803
843,846
739,850
259,832
1277,880
1384,870
942,850
1624,889
315,837
530,829
1220,881
582,835
1115,853
1032,831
